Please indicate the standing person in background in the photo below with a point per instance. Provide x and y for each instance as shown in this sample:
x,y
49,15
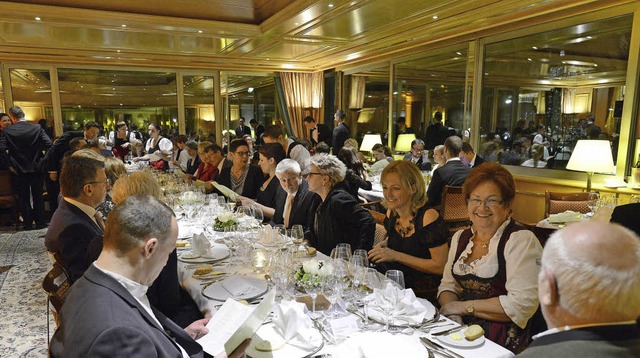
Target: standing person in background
x,y
258,129
437,133
21,148
158,149
5,121
317,132
294,149
241,129
120,141
340,131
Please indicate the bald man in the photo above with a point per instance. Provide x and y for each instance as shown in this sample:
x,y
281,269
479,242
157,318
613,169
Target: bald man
x,y
589,290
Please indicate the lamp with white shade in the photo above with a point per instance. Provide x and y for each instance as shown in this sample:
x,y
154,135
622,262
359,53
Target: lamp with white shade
x,y
368,141
591,156
403,143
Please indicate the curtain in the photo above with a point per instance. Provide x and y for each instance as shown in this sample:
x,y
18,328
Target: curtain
x,y
303,97
356,95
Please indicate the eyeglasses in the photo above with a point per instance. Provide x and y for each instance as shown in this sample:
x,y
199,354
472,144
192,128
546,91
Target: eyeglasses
x,y
310,174
241,153
417,150
491,203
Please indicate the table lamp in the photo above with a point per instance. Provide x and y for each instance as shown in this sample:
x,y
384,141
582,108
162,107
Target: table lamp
x,y
591,156
368,142
403,144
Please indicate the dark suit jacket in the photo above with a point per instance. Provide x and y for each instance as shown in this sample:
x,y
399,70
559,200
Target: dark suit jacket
x,y
478,161
340,134
627,216
252,182
436,135
615,341
69,237
303,209
258,130
55,154
242,130
324,135
423,163
100,318
22,146
453,173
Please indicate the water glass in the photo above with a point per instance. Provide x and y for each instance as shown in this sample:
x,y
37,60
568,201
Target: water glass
x,y
395,276
593,202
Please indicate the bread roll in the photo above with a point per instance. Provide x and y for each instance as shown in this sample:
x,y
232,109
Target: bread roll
x,y
203,270
182,243
473,332
311,251
269,346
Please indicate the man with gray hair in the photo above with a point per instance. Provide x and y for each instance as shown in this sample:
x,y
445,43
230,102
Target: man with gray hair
x,y
454,172
418,156
107,312
295,204
21,150
589,290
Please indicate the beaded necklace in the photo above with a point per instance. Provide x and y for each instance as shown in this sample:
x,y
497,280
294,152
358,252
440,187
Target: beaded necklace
x,y
402,230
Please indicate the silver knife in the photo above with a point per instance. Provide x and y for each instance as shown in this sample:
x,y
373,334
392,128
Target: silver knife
x,y
439,348
447,331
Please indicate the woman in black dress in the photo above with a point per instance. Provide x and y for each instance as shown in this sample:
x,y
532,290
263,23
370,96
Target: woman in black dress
x,y
417,241
270,155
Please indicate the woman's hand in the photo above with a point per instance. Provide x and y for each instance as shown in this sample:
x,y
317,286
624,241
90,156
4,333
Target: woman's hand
x,y
454,309
382,253
456,318
246,201
126,145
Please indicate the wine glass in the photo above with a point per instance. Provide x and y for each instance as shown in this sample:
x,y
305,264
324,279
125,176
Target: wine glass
x,y
593,202
312,287
341,253
297,235
364,254
395,276
347,248
370,282
331,291
396,292
258,215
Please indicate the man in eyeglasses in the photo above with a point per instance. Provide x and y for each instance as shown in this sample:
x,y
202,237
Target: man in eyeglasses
x,y
418,155
76,222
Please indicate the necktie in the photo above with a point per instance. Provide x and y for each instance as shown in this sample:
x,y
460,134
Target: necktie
x,y
99,220
287,209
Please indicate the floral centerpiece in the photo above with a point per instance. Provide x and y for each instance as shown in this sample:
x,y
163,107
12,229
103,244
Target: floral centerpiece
x,y
312,271
224,220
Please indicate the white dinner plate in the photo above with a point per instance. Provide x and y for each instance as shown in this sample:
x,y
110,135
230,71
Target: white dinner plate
x,y
268,332
463,343
220,290
216,253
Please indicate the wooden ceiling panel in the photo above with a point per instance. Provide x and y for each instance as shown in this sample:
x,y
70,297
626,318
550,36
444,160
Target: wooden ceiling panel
x,y
285,51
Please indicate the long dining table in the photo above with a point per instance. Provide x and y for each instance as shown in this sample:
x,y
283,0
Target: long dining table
x,y
348,343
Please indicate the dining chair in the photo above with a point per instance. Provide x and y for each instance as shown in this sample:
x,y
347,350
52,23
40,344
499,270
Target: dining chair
x,y
454,209
7,198
56,285
555,202
380,235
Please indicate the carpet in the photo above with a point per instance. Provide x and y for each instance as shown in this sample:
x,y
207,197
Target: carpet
x,y
23,316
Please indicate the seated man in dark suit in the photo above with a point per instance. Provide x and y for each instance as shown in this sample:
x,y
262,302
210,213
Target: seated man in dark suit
x,y
107,312
469,157
295,204
453,172
588,288
75,223
627,216
417,155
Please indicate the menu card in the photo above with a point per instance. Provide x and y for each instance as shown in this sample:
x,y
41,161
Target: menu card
x,y
233,323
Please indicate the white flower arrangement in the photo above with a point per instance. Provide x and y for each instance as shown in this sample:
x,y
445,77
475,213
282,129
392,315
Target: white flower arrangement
x,y
224,220
313,270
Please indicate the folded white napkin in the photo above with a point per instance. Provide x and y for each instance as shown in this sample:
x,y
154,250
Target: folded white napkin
x,y
293,324
226,191
567,216
409,311
201,244
237,286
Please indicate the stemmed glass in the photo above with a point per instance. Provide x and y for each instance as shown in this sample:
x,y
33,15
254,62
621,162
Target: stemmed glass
x,y
395,293
258,215
312,287
331,291
364,254
341,252
593,202
370,283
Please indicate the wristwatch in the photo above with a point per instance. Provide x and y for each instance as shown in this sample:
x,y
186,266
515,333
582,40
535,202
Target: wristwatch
x,y
470,309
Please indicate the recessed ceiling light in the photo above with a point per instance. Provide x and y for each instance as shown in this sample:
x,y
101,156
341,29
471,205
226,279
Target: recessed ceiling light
x,y
296,24
118,51
330,5
459,53
123,25
535,47
199,31
529,59
435,17
38,18
287,65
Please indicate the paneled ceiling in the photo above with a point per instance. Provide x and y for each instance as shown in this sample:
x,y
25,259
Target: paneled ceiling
x,y
255,35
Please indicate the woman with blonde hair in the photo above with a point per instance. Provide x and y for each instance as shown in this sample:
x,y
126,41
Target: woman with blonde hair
x,y
138,183
417,241
114,168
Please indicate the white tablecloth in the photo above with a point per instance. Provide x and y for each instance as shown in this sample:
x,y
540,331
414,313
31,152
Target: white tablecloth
x,y
359,344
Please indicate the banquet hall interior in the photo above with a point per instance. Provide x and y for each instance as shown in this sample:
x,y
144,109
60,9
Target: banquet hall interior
x,y
492,68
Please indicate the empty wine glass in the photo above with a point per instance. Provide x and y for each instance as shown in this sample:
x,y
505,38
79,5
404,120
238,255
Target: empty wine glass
x,y
364,254
258,215
347,248
341,253
331,291
395,276
312,287
370,282
396,293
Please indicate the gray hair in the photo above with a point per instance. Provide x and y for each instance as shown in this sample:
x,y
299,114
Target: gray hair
x,y
136,219
288,166
329,165
596,268
17,112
